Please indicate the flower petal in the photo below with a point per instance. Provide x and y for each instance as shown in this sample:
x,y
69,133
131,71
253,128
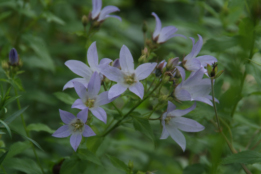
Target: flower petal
x,y
66,117
113,16
94,85
195,49
192,65
75,140
80,89
206,59
126,60
137,89
79,104
80,80
177,136
92,56
158,25
171,107
166,33
182,95
112,73
187,125
210,98
105,61
102,99
194,78
204,100
181,72
116,90
62,132
88,132
179,112
96,8
107,10
100,114
79,68
83,115
144,70
165,132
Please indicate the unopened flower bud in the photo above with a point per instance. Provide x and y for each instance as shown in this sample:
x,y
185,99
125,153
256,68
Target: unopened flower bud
x,y
160,68
213,71
5,65
145,51
130,165
85,20
163,98
13,57
166,78
142,59
144,27
116,64
172,63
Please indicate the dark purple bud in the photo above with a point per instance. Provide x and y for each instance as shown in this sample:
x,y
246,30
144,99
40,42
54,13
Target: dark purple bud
x,y
116,63
13,57
172,63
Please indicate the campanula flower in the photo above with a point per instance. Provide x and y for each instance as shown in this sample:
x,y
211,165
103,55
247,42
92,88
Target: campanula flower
x,y
161,35
172,122
74,126
83,70
127,76
90,99
102,14
13,57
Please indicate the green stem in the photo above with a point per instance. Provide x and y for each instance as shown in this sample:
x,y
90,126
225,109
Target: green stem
x,y
154,109
3,169
214,104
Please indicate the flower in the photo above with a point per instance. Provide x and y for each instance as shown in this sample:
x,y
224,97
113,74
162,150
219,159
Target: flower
x,y
102,14
194,88
74,126
193,63
127,77
13,57
90,99
83,70
161,35
172,121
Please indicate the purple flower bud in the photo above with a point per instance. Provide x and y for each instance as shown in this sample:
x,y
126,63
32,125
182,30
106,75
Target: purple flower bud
x,y
13,57
116,64
172,63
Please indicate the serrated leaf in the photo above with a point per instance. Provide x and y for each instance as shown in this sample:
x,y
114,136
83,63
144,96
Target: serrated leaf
x,y
10,118
88,155
18,148
39,127
3,157
66,98
118,163
142,125
7,128
25,165
245,157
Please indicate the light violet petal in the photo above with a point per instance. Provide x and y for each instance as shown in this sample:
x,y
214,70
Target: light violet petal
x,y
96,8
179,112
158,25
144,70
137,89
113,16
187,125
116,64
107,10
80,89
75,140
182,95
181,72
164,133
204,100
116,90
83,115
126,60
79,104
171,107
195,49
70,83
102,99
62,132
100,114
166,33
88,132
192,65
210,98
92,56
79,68
194,78
112,73
66,117
105,61
206,59
94,85
177,136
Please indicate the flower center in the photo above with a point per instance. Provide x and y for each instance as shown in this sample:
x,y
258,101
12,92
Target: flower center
x,y
129,79
90,103
167,120
78,125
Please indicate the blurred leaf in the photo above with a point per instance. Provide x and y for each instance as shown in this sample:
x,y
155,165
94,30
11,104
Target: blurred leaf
x,y
195,169
70,166
255,70
143,126
221,44
3,157
10,118
7,128
245,157
34,142
52,18
39,127
11,100
4,15
18,148
25,165
118,163
241,119
66,98
94,143
88,155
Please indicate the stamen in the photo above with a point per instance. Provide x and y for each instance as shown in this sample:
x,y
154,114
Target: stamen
x,y
130,79
90,103
78,126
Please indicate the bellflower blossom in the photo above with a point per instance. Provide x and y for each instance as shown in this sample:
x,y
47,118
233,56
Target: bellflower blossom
x,y
13,57
127,76
90,99
194,88
102,14
161,35
172,121
193,63
74,126
83,70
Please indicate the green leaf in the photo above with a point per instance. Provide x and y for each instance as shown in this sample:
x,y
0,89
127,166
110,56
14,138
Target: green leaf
x,y
245,157
39,127
142,125
7,128
5,15
66,98
3,157
69,166
34,142
94,143
195,169
10,118
10,100
88,155
25,165
52,18
118,163
18,148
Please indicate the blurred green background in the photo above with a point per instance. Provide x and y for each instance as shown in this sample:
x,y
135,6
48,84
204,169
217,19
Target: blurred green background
x,y
46,33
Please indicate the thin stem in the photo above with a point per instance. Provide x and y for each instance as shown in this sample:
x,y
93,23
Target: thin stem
x,y
214,104
154,109
256,145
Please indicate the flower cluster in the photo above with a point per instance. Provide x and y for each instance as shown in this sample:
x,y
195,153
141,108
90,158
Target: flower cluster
x,y
122,71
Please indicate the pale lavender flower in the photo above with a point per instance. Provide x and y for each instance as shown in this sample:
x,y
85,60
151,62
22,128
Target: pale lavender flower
x,y
83,70
127,77
13,57
194,88
161,35
193,63
172,121
102,14
90,99
74,126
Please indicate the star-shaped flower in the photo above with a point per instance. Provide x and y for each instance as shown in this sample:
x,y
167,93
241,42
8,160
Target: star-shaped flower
x,y
127,76
74,126
161,35
172,122
193,63
90,99
83,70
102,14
